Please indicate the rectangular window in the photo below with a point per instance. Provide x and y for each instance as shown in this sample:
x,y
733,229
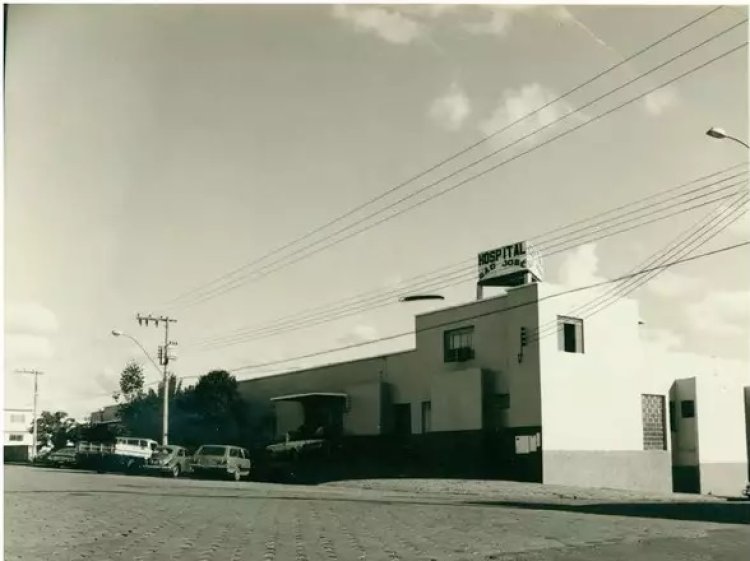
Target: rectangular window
x,y
234,453
672,417
426,416
402,418
17,418
458,344
687,409
652,415
570,334
16,438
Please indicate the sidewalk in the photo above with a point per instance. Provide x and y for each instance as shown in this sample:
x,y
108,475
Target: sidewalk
x,y
511,490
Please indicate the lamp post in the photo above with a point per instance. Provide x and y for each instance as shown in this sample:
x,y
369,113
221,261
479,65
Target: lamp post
x,y
720,134
165,408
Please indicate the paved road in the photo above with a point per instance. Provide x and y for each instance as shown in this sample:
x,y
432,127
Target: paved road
x,y
67,515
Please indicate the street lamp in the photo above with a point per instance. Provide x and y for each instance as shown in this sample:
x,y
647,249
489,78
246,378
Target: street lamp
x,y
165,408
421,297
720,134
118,333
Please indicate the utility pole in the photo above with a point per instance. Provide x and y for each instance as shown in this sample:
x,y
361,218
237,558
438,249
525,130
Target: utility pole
x,y
36,374
164,357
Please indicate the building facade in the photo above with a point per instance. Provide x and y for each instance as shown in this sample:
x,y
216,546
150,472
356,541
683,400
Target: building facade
x,y
17,438
527,385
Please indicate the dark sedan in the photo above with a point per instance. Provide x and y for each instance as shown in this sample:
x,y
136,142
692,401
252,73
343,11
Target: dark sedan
x,y
64,457
169,460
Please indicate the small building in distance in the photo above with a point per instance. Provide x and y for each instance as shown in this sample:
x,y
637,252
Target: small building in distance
x,y
18,441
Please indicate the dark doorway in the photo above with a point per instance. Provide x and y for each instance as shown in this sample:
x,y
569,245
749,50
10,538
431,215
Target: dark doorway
x,y
402,418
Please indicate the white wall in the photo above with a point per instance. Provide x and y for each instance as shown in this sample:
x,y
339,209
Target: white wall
x,y
720,409
685,444
363,416
497,323
591,400
456,401
11,426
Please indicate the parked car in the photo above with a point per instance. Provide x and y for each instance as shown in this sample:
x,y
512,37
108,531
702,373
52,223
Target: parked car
x,y
169,460
217,460
64,457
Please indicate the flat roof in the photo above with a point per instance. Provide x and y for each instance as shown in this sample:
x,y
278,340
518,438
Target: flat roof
x,y
297,396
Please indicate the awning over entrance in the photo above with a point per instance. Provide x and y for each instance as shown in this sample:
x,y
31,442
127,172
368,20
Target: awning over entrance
x,y
313,396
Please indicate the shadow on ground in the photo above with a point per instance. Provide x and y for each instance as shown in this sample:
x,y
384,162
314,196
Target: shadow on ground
x,y
722,513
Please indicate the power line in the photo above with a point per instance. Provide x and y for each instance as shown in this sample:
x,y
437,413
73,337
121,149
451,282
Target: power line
x,y
285,261
457,154
461,266
708,226
509,308
462,277
379,300
212,292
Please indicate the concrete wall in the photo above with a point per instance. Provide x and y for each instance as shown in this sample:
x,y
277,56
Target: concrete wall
x,y
363,416
591,400
421,375
721,435
497,326
685,442
456,401
645,470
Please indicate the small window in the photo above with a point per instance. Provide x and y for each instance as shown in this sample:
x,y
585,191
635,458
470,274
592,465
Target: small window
x,y
570,334
687,409
502,401
458,344
16,438
234,453
17,418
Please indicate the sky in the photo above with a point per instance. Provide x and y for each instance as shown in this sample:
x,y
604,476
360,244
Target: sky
x,y
152,149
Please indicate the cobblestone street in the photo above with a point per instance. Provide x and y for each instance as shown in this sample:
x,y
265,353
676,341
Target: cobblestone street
x,y
66,515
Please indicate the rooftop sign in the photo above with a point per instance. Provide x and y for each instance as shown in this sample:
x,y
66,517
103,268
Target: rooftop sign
x,y
507,265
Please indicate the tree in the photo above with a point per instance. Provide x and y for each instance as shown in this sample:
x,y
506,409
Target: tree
x,y
131,381
212,411
55,428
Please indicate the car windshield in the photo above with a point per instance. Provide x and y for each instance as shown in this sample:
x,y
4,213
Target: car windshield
x,y
212,451
165,450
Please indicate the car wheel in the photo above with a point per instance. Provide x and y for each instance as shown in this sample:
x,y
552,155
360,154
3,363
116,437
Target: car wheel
x,y
176,471
237,474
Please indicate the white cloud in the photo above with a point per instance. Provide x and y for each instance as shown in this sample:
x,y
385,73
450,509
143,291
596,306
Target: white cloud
x,y
359,334
499,22
674,285
20,347
30,318
499,19
389,24
659,101
107,380
580,267
28,326
721,312
450,110
662,339
515,104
